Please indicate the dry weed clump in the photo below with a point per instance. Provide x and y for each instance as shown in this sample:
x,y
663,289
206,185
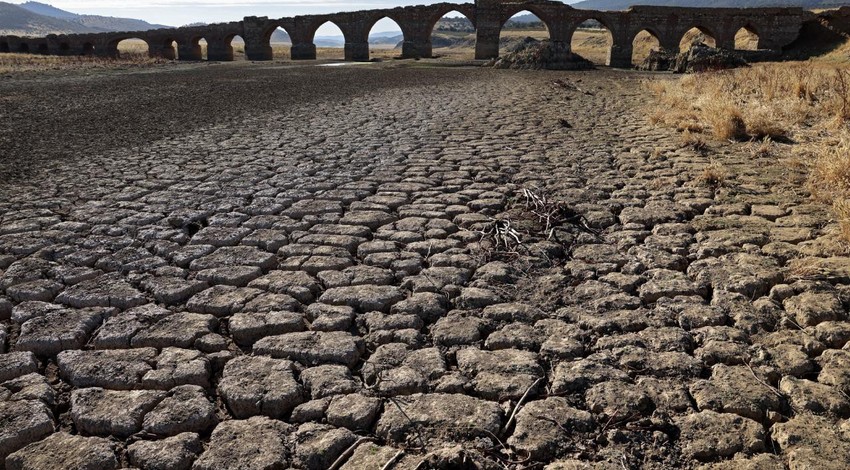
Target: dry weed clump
x,y
765,100
805,104
13,63
713,176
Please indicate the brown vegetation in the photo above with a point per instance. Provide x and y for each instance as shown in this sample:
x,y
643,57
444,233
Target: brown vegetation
x,y
807,104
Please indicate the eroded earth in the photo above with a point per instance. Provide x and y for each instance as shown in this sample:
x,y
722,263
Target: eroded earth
x,y
262,267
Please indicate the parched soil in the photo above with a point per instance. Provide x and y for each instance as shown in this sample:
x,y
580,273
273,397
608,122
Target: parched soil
x,y
404,266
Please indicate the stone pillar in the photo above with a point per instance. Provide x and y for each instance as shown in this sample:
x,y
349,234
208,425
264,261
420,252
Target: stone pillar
x,y
303,51
725,42
257,45
357,51
108,50
487,43
258,51
219,49
488,29
165,51
621,53
670,45
188,51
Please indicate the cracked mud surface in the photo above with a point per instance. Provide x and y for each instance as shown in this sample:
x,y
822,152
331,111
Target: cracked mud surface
x,y
257,267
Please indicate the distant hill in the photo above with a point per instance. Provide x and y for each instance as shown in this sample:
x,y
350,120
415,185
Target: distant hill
x,y
21,22
625,4
40,19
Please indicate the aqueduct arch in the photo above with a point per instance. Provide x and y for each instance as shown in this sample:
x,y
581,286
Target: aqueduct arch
x,y
775,28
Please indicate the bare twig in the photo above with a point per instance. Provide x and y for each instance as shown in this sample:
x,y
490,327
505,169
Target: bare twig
x,y
771,387
521,402
391,463
415,425
348,452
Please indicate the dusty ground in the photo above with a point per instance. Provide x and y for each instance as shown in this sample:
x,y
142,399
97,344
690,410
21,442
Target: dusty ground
x,y
256,267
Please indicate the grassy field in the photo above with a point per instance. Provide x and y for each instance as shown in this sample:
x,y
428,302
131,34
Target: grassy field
x,y
802,106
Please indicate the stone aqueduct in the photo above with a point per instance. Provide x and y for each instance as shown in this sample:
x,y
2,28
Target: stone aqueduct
x,y
775,28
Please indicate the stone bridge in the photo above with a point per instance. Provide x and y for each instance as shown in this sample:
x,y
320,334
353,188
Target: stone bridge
x,y
775,28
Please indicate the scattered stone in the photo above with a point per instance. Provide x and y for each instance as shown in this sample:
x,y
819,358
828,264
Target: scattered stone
x,y
257,443
23,422
186,409
260,386
58,331
814,397
355,412
16,364
313,348
810,441
438,413
62,451
318,446
367,298
323,381
178,367
544,427
172,453
100,412
249,327
500,375
113,369
707,435
109,290
735,390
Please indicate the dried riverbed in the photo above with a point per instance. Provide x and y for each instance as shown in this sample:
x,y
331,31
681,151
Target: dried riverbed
x,y
251,266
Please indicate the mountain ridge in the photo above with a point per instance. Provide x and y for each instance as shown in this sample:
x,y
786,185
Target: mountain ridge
x,y
41,19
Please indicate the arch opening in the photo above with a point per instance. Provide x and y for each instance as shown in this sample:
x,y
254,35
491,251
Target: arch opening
x,y
593,41
237,45
644,43
697,35
522,29
280,42
132,49
24,47
747,39
200,45
88,49
4,47
386,39
330,41
453,35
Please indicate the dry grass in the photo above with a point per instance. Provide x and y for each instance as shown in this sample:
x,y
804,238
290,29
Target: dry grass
x,y
15,63
713,176
805,104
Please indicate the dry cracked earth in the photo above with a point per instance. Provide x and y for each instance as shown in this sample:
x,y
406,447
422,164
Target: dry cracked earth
x,y
266,267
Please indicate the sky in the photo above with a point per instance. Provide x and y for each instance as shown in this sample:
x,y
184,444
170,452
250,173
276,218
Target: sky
x,y
181,12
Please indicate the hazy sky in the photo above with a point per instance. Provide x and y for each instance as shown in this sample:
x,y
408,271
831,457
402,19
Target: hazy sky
x,y
180,12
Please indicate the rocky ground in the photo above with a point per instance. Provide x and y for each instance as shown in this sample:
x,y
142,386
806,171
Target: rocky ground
x,y
253,267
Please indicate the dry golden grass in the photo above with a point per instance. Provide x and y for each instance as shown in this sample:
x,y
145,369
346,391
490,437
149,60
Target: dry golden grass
x,y
713,176
806,104
16,63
